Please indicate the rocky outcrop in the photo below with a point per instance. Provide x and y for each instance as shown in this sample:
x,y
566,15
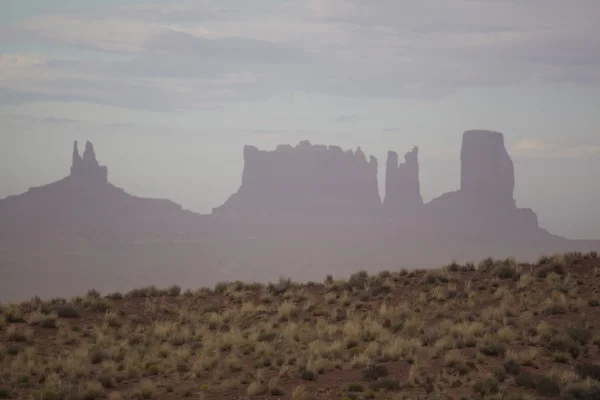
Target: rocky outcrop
x,y
305,180
87,167
485,203
85,203
487,172
402,187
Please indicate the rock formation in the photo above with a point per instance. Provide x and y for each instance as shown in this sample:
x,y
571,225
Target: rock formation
x,y
305,180
85,202
402,187
82,232
487,172
87,167
485,203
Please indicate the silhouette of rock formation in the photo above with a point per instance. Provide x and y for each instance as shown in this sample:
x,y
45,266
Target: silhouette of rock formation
x,y
304,180
87,167
402,186
86,203
485,203
82,232
487,171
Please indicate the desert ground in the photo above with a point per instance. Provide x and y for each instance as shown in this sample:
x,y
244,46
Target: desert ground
x,y
499,329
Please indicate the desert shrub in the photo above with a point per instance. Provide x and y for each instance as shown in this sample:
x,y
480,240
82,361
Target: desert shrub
x,y
374,372
386,383
107,381
97,355
468,267
46,395
19,334
563,343
267,336
14,315
561,357
493,348
543,385
67,312
4,393
487,386
511,367
580,334
358,280
149,291
114,296
356,387
581,391
377,288
594,303
486,264
588,370
280,287
174,290
308,375
506,272
99,305
276,391
453,267
43,320
543,271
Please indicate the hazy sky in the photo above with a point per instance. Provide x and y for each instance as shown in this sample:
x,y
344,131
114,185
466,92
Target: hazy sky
x,y
169,92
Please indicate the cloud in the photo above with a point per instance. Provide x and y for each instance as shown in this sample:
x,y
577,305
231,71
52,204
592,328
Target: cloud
x,y
56,120
120,125
205,54
537,148
346,118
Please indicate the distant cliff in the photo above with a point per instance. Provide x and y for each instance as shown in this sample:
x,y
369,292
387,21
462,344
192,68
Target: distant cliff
x,y
85,204
402,185
484,204
301,212
309,180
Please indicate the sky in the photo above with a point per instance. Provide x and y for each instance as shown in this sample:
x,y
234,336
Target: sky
x,y
169,92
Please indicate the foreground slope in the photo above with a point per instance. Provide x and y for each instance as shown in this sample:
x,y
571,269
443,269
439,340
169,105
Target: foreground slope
x,y
500,330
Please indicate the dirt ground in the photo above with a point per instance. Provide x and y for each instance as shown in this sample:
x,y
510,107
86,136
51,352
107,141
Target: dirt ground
x,y
496,330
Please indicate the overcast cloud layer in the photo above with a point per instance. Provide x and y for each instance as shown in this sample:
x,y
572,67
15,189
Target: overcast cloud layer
x,y
382,74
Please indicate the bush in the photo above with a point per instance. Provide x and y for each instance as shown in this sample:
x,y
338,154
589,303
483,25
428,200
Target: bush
x,y
386,384
581,335
114,296
563,344
493,348
307,375
487,386
174,291
375,372
581,391
543,385
511,367
356,387
46,395
506,272
67,312
588,370
544,271
358,280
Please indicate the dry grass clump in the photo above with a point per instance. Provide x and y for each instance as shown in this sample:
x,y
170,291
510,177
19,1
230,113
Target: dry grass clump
x,y
495,330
